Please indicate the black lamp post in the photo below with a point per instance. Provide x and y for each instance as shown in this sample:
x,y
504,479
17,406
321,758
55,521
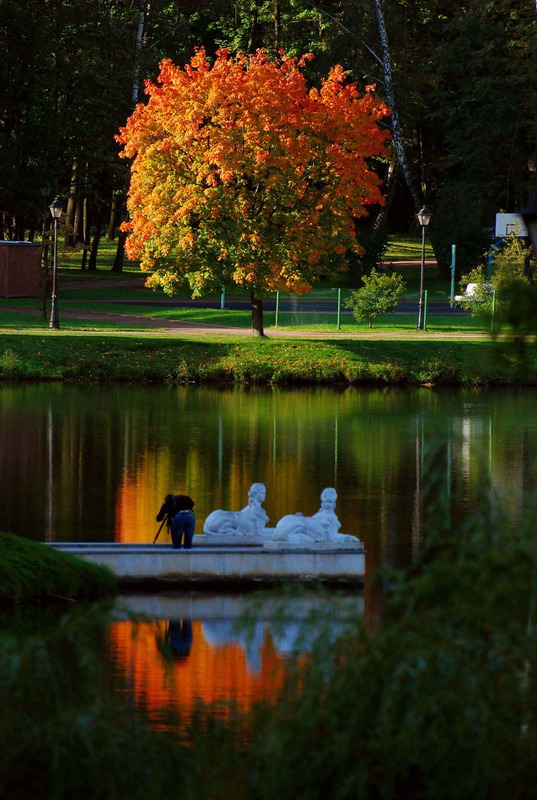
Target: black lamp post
x,y
56,209
529,215
424,217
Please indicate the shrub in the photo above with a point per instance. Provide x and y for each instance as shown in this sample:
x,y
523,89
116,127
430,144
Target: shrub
x,y
439,703
379,295
62,735
508,293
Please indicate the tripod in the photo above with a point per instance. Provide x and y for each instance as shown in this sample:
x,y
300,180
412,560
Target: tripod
x,y
168,521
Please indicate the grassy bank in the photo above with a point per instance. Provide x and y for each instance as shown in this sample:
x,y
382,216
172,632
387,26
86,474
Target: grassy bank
x,y
154,358
31,571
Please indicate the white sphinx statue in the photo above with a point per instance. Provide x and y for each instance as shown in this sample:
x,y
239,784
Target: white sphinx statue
x,y
321,527
247,523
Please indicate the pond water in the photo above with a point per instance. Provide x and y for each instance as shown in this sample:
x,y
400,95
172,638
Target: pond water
x,y
217,648
93,463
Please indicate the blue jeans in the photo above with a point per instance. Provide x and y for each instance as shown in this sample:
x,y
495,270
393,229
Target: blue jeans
x,y
184,522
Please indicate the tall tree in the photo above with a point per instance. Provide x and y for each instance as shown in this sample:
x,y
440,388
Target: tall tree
x,y
241,173
485,104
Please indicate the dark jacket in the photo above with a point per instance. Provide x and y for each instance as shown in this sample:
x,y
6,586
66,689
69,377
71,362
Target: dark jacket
x,y
174,503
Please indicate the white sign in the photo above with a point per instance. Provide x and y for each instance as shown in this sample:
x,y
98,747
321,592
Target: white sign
x,y
510,223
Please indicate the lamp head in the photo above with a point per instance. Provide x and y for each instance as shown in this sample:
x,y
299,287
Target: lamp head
x,y
424,216
56,208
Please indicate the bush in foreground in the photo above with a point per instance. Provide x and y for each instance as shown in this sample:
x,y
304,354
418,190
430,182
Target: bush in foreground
x,y
441,702
32,571
62,733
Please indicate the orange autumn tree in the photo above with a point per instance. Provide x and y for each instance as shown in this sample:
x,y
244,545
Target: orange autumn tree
x,y
241,173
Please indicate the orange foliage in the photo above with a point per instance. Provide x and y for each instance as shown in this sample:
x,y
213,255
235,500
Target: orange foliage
x,y
242,172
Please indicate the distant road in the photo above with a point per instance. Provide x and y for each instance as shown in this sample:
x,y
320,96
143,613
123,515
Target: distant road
x,y
304,305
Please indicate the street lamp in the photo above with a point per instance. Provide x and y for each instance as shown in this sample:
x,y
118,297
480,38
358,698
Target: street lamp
x,y
56,209
424,217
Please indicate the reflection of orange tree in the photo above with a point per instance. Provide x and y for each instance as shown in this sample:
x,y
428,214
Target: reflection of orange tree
x,y
272,437
210,674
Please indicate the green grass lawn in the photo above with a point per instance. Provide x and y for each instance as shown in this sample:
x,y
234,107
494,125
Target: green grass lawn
x,y
401,248
70,355
126,308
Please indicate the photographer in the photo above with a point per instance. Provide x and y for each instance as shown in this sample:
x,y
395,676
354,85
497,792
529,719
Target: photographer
x,y
177,509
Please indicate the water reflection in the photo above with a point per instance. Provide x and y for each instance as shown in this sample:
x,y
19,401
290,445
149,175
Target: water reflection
x,y
217,648
179,637
92,463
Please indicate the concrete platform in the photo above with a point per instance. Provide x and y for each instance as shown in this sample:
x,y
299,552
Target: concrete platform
x,y
160,564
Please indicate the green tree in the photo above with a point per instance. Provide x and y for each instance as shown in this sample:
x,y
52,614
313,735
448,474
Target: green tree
x,y
379,295
485,106
508,290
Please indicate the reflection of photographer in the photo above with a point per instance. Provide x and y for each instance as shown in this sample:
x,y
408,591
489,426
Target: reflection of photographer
x,y
179,637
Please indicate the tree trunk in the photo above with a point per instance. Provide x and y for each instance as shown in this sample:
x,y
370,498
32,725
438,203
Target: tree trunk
x,y
277,25
138,51
253,34
78,221
390,99
257,315
112,220
390,185
85,234
20,228
120,253
69,240
92,263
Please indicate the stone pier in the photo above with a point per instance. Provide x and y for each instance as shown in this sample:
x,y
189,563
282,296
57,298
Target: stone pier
x,y
215,564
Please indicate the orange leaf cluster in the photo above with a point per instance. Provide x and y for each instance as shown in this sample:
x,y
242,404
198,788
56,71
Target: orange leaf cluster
x,y
242,172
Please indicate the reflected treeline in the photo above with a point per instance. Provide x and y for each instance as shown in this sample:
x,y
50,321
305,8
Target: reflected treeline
x,y
93,463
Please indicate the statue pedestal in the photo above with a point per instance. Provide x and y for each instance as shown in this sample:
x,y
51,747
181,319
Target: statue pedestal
x,y
235,539
353,547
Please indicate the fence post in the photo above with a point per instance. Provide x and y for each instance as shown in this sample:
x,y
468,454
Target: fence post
x,y
223,298
493,310
339,309
277,309
453,249
425,309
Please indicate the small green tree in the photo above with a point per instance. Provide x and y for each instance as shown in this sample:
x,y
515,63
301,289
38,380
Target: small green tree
x,y
379,295
509,293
